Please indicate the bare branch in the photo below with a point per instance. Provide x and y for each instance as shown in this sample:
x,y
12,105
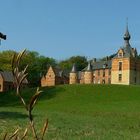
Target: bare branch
x,y
44,129
5,136
19,77
34,99
25,134
14,134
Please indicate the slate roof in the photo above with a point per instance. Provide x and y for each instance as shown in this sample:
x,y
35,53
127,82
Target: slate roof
x,y
127,49
8,76
89,67
100,65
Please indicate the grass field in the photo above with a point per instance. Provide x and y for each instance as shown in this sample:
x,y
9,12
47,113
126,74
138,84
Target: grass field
x,y
78,112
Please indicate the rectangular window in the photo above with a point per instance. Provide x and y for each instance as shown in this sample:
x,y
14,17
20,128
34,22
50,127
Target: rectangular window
x,y
135,67
94,80
98,72
120,66
103,73
103,81
120,77
109,71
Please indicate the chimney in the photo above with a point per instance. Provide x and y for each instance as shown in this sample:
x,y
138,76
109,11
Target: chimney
x,y
94,60
107,58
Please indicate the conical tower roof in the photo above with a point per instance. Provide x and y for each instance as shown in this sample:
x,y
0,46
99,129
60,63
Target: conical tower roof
x,y
74,69
89,67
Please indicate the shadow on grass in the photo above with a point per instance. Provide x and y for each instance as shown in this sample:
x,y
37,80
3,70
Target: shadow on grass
x,y
12,115
8,99
50,92
11,99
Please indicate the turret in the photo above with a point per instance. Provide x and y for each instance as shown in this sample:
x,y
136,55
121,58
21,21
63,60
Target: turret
x,y
88,76
73,75
127,37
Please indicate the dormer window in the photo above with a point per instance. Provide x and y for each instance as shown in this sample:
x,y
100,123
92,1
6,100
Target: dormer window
x,y
104,65
120,54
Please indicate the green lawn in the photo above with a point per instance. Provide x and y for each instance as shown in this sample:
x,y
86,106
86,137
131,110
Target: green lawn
x,y
78,112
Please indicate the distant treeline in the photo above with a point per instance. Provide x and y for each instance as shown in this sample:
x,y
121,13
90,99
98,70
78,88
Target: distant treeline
x,y
39,64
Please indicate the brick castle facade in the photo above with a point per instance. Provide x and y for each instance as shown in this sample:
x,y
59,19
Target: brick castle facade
x,y
123,68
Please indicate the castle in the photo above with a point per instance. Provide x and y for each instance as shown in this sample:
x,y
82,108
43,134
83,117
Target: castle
x,y
123,68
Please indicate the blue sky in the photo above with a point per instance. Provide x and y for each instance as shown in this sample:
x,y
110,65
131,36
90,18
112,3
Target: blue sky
x,y
64,28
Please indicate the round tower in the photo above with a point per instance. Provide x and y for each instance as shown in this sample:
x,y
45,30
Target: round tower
x,y
88,76
73,75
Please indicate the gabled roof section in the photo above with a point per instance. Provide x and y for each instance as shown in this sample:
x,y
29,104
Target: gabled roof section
x,y
8,76
127,49
59,72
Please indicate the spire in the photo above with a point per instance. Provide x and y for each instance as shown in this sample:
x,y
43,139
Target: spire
x,y
127,35
73,68
89,67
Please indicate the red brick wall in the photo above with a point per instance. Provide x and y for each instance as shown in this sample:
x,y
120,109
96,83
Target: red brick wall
x,y
102,79
49,78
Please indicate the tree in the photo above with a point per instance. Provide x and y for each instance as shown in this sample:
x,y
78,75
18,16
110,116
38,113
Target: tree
x,y
37,64
5,60
80,61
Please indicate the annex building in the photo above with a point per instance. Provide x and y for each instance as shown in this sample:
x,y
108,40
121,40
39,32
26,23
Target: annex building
x,y
123,68
7,81
55,76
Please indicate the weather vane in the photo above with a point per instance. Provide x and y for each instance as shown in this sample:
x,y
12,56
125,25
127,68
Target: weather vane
x,y
2,36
